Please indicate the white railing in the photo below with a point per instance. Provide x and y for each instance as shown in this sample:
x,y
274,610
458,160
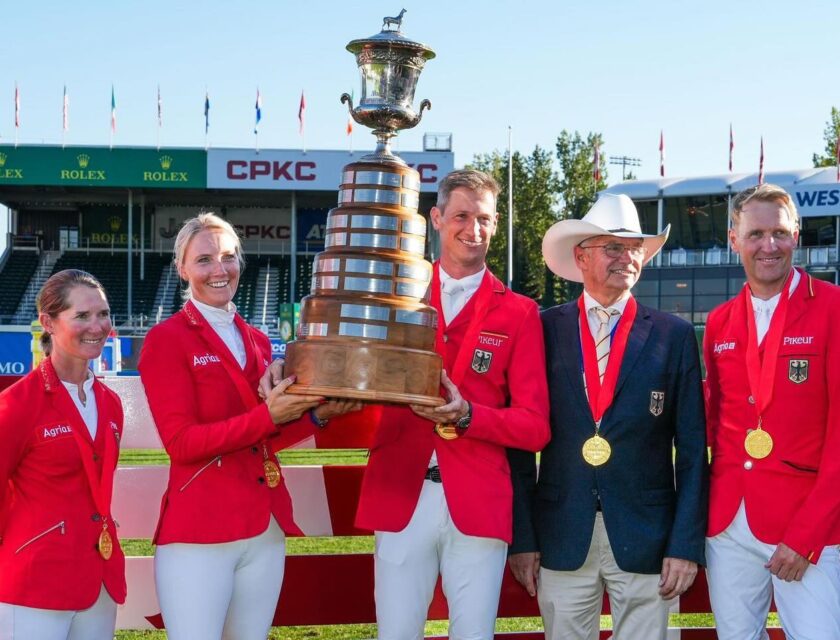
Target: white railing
x,y
716,256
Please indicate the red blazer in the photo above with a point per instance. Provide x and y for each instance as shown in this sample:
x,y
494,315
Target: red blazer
x,y
793,495
509,409
217,490
49,523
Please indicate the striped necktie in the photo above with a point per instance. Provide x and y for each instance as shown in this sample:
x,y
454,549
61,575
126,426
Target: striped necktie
x,y
602,337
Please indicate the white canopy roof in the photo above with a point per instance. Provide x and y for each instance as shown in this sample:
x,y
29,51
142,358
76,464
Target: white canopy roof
x,y
721,184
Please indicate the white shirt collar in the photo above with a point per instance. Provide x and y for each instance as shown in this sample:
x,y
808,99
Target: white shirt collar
x,y
769,305
470,282
589,302
87,385
214,315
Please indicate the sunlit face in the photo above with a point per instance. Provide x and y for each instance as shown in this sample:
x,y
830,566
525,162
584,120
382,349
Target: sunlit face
x,y
610,265
765,238
79,332
465,228
211,267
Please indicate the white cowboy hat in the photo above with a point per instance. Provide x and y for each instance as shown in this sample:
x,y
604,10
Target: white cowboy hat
x,y
611,215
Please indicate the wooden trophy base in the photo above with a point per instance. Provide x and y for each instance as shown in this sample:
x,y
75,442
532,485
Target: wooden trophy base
x,y
363,371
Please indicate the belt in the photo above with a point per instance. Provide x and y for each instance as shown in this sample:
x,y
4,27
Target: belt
x,y
433,474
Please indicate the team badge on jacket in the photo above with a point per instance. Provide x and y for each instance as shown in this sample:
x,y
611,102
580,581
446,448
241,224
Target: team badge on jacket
x,y
481,361
657,402
798,371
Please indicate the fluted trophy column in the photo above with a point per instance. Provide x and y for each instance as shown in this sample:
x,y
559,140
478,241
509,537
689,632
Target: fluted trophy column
x,y
366,330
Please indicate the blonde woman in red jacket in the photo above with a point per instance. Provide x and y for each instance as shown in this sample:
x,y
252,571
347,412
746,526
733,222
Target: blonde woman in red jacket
x,y
62,572
221,535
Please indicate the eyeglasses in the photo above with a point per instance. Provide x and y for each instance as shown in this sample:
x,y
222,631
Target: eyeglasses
x,y
617,250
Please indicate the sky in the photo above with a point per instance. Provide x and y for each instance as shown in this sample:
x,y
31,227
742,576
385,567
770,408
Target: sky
x,y
624,69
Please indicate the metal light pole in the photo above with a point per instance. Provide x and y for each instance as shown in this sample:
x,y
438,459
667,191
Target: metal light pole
x,y
625,162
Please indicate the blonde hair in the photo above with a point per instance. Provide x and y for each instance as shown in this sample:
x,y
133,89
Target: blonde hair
x,y
204,221
765,193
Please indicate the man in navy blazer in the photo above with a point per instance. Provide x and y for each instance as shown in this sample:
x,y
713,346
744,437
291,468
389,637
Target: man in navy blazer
x,y
612,508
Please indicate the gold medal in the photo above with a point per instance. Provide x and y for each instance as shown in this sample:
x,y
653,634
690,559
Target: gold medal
x,y
758,443
272,473
105,545
596,451
447,430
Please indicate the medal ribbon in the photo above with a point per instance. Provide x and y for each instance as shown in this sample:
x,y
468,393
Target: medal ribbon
x,y
601,397
483,298
237,374
761,371
101,485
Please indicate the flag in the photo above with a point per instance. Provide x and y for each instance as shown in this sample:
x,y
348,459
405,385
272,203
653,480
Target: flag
x,y
661,154
301,112
596,174
64,110
349,127
206,112
17,107
113,111
731,147
837,155
258,108
761,163
159,109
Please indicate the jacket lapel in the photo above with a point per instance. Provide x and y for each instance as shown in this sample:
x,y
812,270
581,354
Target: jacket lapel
x,y
639,334
803,293
237,374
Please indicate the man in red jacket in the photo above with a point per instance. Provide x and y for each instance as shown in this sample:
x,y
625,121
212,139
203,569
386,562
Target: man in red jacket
x,y
773,414
437,488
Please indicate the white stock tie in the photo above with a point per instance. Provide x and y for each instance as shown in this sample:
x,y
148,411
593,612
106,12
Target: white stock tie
x,y
453,299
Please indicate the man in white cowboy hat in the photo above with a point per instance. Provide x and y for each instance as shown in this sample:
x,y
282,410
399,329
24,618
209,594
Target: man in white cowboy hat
x,y
613,507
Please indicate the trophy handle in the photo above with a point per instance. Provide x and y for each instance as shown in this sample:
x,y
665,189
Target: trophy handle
x,y
425,104
346,99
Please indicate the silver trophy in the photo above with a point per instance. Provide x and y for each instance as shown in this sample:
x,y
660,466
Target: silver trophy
x,y
390,65
367,331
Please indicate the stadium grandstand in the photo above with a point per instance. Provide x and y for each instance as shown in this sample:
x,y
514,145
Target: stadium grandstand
x,y
115,213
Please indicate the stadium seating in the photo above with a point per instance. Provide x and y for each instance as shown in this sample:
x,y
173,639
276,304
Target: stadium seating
x,y
111,270
14,279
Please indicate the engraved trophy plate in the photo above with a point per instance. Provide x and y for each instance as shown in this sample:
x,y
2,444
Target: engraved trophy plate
x,y
366,331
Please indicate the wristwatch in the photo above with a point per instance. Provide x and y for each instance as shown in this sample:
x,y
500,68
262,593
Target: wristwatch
x,y
464,421
318,422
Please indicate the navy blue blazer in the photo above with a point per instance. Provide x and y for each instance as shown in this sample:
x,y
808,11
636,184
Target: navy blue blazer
x,y
654,502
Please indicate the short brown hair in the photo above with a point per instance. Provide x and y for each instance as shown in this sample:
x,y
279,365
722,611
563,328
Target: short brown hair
x,y
471,179
764,193
53,298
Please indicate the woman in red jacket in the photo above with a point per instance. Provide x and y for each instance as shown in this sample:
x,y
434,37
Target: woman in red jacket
x,y
221,535
62,572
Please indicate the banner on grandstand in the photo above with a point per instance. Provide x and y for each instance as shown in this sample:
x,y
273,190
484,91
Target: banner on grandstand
x,y
294,170
103,167
262,229
817,200
15,353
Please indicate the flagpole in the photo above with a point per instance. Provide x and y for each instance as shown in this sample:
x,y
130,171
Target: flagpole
x,y
510,209
301,117
206,118
64,116
17,113
159,118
